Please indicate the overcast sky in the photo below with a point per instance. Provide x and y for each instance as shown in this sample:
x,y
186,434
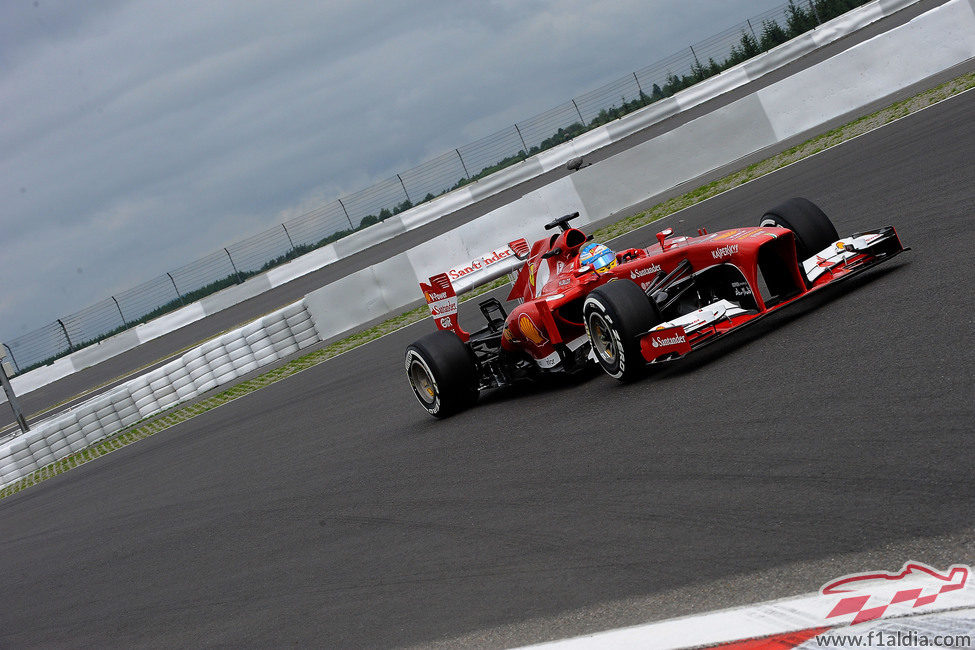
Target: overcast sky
x,y
138,136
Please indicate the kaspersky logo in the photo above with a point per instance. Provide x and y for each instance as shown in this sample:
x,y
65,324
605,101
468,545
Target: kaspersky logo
x,y
724,251
868,596
657,341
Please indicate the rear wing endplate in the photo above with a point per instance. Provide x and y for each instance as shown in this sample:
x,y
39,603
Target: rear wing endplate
x,y
441,290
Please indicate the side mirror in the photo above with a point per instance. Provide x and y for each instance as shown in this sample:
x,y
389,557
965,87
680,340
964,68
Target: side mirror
x,y
664,234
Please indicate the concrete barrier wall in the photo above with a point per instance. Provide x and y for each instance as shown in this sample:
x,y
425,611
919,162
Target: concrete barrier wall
x,y
215,363
460,198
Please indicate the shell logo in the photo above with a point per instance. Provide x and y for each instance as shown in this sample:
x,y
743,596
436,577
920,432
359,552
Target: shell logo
x,y
530,331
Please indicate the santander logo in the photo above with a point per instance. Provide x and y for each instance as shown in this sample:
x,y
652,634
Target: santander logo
x,y
478,264
656,341
445,308
639,273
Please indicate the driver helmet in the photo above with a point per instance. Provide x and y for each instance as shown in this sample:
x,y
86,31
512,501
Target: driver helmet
x,y
599,256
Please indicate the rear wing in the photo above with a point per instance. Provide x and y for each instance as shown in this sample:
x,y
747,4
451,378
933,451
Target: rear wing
x,y
441,290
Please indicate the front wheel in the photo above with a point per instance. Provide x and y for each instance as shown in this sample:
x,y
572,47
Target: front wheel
x,y
812,229
442,373
615,315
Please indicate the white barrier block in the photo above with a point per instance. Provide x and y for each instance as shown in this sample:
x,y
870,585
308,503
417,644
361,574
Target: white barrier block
x,y
222,370
139,387
303,265
247,367
166,398
206,383
872,70
170,322
45,459
199,371
293,309
260,347
235,345
250,328
128,416
692,149
59,448
255,339
147,406
210,346
76,441
93,434
21,457
242,352
28,467
285,350
273,325
266,356
302,328
283,335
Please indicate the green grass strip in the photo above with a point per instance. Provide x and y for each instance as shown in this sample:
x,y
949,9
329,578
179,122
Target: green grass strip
x,y
180,413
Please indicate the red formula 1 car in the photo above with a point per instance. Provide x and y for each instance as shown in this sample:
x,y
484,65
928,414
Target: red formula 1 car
x,y
581,303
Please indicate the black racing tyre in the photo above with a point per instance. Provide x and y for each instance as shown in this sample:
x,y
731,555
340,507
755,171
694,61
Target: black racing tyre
x,y
812,228
442,373
615,315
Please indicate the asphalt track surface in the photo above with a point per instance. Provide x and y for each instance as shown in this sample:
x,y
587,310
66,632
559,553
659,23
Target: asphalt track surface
x,y
329,510
106,373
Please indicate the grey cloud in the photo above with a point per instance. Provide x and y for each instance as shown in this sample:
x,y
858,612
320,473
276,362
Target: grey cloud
x,y
135,136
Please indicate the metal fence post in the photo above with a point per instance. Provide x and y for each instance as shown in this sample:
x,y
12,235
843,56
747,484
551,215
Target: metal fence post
x,y
240,280
178,294
466,173
404,188
581,119
757,40
10,353
68,338
522,139
694,54
120,311
288,235
639,87
12,398
346,213
812,6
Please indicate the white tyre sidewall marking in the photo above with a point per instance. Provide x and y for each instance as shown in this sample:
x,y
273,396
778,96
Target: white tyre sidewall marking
x,y
411,357
620,354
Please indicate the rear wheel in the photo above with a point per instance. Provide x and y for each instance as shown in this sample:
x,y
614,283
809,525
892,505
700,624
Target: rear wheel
x,y
615,315
812,228
442,373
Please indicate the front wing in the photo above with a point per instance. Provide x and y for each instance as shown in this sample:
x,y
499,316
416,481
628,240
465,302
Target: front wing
x,y
840,261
